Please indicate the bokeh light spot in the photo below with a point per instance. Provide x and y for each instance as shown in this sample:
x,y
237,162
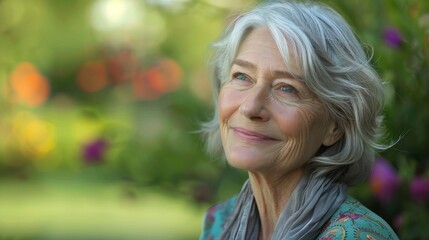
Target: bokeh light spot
x,y
92,76
29,85
110,15
122,66
143,88
171,74
34,136
157,80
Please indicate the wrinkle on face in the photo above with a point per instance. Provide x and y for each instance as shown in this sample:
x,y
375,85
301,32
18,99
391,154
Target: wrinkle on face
x,y
299,122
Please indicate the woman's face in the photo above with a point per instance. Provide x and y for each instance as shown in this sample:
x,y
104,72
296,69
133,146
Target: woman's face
x,y
270,121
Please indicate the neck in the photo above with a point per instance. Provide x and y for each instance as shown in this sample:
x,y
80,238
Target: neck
x,y
271,195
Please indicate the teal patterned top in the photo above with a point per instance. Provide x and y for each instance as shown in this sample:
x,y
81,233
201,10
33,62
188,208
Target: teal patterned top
x,y
352,220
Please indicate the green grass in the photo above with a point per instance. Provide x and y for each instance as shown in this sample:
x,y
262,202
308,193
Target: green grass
x,y
53,209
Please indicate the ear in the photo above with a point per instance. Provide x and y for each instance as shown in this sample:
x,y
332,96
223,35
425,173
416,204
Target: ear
x,y
333,134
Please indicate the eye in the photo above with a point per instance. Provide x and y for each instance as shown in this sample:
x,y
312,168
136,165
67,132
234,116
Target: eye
x,y
288,89
240,76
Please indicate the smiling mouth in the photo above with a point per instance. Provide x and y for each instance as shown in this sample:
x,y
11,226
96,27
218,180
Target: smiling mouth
x,y
250,135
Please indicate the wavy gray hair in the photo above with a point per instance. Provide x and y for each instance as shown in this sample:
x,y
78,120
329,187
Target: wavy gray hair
x,y
335,67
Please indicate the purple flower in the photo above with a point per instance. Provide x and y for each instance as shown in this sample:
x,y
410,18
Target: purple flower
x,y
93,152
392,37
419,189
384,180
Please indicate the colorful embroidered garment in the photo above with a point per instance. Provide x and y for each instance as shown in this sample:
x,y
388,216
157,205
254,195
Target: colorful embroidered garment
x,y
352,220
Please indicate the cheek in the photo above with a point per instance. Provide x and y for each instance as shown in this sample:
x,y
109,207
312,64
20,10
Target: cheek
x,y
229,103
301,138
298,121
289,121
303,128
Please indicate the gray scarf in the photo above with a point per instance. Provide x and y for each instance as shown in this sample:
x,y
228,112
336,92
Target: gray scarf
x,y
313,202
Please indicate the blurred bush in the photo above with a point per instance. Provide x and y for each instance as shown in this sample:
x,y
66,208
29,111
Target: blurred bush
x,y
122,86
398,32
115,83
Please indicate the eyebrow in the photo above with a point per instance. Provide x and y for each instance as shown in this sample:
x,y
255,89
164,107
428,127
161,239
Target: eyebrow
x,y
247,64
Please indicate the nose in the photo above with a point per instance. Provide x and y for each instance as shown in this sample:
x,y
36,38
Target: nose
x,y
254,105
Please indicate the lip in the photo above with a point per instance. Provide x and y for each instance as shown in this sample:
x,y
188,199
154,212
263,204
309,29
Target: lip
x,y
251,135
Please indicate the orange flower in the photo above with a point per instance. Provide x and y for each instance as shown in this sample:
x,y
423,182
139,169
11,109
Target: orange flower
x,y
143,88
28,84
92,76
164,76
171,75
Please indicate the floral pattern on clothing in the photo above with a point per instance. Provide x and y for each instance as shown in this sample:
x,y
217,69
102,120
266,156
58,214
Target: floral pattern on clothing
x,y
352,220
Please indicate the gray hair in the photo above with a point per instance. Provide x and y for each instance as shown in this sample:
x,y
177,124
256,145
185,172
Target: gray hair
x,y
335,68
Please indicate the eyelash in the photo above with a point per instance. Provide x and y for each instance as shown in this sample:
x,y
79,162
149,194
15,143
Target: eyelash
x,y
290,87
238,74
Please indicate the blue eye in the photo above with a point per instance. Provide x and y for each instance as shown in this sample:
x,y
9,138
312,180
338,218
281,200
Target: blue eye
x,y
240,76
288,89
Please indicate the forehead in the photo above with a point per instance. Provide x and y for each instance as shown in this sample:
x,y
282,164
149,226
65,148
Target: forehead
x,y
260,48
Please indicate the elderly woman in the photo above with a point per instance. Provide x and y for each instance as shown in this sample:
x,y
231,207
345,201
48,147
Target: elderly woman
x,y
298,107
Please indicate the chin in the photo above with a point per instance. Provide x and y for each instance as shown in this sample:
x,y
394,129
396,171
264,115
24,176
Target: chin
x,y
243,163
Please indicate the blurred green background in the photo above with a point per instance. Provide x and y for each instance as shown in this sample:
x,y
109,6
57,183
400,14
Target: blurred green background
x,y
100,101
